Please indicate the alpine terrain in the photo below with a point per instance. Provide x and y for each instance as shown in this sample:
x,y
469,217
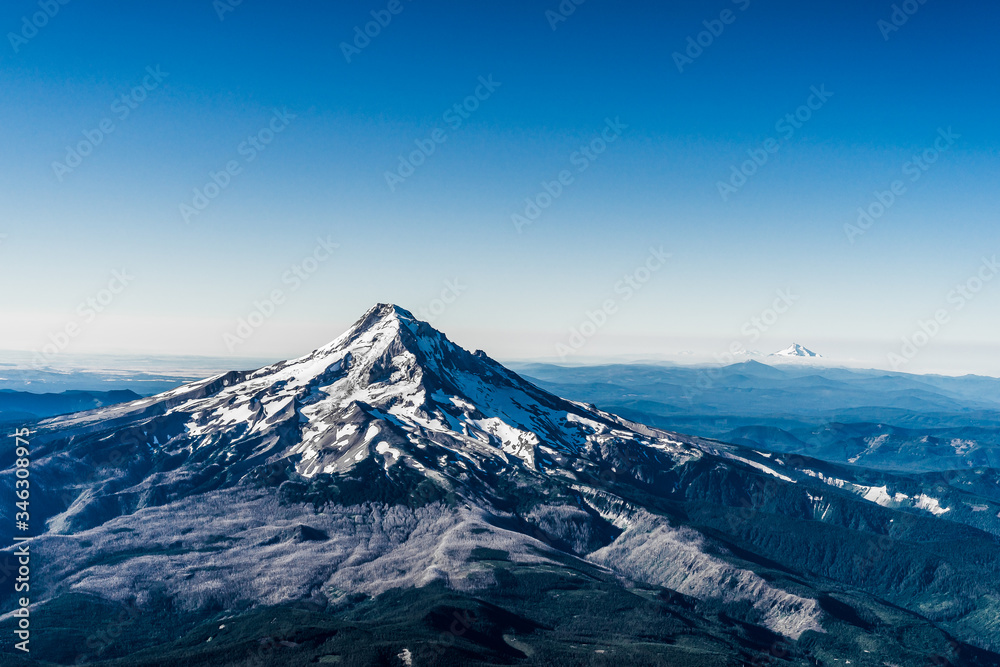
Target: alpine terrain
x,y
393,499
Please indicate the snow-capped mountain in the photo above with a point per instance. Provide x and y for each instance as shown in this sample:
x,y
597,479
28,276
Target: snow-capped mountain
x,y
392,460
384,390
390,397
796,351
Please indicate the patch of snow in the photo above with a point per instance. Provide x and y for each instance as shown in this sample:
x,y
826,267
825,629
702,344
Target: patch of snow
x,y
932,505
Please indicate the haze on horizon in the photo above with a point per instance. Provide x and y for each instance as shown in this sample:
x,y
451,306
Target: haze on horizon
x,y
516,179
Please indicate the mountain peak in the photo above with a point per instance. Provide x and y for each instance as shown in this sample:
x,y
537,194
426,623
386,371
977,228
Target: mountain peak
x,y
796,350
383,311
382,324
379,317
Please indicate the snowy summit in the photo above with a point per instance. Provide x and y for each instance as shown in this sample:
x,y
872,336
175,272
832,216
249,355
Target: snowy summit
x,y
796,350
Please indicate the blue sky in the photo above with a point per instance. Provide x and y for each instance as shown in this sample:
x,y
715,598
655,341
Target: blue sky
x,y
447,227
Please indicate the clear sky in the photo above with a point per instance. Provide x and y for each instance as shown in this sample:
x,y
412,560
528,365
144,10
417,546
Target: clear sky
x,y
301,131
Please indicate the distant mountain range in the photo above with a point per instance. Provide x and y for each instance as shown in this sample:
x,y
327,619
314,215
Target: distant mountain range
x,y
888,421
393,499
18,406
143,374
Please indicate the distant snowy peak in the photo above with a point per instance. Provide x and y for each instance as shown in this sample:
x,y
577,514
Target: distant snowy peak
x,y
797,351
